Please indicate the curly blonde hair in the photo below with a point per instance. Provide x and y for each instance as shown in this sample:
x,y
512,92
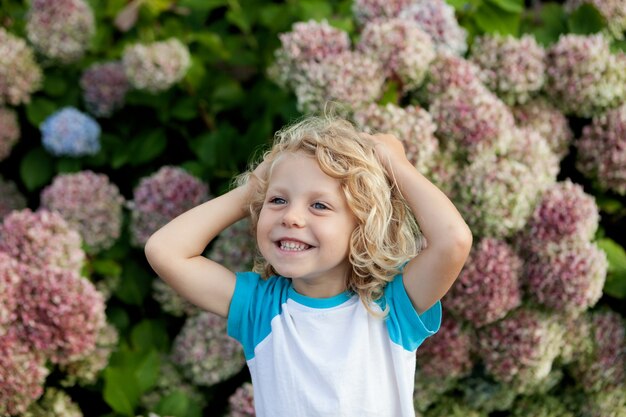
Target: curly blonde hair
x,y
386,235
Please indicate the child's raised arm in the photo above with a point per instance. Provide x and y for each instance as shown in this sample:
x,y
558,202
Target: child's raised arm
x,y
429,275
175,251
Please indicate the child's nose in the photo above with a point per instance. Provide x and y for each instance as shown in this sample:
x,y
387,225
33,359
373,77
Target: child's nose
x,y
293,217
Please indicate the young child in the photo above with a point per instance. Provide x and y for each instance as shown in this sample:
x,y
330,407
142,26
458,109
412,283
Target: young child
x,y
344,294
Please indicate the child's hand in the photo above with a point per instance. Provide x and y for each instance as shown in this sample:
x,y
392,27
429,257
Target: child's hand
x,y
389,151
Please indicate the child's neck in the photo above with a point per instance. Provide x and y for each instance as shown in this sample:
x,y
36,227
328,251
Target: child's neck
x,y
317,289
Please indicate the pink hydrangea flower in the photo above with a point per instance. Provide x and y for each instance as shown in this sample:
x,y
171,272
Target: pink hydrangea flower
x,y
542,117
9,284
9,131
60,29
306,42
604,366
448,353
473,119
41,239
602,150
170,301
437,18
59,313
90,203
349,78
513,68
451,72
22,375
20,75
532,149
412,124
369,10
564,213
566,277
160,198
488,287
583,77
157,66
235,247
10,198
521,348
404,50
203,351
104,88
241,403
495,195
54,403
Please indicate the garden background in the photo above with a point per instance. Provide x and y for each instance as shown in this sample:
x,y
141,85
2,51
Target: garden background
x,y
115,116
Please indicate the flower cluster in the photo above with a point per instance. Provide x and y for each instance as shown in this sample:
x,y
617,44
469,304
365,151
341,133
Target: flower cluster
x,y
161,197
10,198
566,277
451,72
412,124
608,403
437,18
170,301
451,406
307,42
235,248
157,66
54,403
368,10
446,354
241,403
614,11
473,119
22,374
564,213
520,349
350,78
512,68
85,370
583,77
168,381
20,74
70,132
542,117
540,406
104,88
495,195
604,366
488,286
484,394
602,150
203,351
59,313
41,239
532,149
9,131
9,283
60,29
90,204
403,49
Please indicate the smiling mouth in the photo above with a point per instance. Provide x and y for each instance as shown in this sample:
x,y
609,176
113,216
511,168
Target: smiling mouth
x,y
291,246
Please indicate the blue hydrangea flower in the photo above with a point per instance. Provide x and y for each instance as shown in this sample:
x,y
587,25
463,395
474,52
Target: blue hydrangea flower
x,y
70,132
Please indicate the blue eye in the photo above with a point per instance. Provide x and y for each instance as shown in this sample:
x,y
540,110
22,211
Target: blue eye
x,y
319,206
277,200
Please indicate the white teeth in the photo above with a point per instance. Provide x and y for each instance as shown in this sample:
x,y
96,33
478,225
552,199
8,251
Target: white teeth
x,y
293,246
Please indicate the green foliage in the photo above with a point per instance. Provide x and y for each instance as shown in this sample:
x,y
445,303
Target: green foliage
x,y
615,284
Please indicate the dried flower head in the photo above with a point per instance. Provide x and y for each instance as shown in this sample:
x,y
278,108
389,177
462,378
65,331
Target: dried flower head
x,y
9,131
241,403
235,247
20,75
10,198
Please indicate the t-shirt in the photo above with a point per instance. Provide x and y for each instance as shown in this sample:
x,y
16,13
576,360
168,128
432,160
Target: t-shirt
x,y
328,356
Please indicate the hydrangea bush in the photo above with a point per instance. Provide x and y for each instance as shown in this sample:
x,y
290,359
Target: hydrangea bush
x,y
70,132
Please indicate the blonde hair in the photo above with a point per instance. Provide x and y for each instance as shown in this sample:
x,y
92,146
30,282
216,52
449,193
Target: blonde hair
x,y
386,235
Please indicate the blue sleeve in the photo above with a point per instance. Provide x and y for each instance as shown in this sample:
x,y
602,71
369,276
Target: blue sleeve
x,y
254,304
407,328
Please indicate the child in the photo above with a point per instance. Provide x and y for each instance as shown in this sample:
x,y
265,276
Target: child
x,y
332,317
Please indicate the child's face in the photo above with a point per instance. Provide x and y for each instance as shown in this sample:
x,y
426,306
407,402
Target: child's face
x,y
305,225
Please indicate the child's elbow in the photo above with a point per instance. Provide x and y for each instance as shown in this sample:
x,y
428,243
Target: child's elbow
x,y
462,242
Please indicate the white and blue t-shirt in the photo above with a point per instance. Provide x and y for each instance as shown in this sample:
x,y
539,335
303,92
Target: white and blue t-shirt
x,y
328,356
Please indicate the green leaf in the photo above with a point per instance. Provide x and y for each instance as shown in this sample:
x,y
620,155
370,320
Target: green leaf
x,y
464,5
586,20
69,165
175,404
118,317
391,94
54,85
147,146
511,6
156,7
38,109
275,17
150,334
615,284
314,9
106,267
202,5
135,284
548,24
492,19
185,108
212,42
121,390
36,168
227,94
148,370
